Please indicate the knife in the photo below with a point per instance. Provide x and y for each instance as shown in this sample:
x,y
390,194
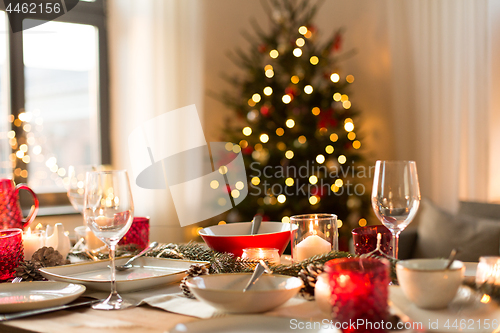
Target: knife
x,y
23,314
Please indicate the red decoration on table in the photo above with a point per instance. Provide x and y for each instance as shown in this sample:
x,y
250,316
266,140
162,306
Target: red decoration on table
x,y
11,251
234,237
359,288
138,233
365,239
10,210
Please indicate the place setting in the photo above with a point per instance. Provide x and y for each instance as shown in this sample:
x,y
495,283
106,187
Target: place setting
x,y
242,271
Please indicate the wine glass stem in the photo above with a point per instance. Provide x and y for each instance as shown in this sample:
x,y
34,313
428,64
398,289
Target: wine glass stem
x,y
395,243
113,269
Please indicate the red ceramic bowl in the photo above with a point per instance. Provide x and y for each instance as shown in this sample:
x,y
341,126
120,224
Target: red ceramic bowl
x,y
234,237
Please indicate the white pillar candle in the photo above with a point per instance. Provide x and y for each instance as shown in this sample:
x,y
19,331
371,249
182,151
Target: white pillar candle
x,y
32,241
311,246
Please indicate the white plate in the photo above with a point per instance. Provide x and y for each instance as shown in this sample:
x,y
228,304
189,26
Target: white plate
x,y
25,296
147,272
252,323
465,313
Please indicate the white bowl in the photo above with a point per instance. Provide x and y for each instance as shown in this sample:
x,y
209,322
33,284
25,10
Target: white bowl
x,y
427,283
225,291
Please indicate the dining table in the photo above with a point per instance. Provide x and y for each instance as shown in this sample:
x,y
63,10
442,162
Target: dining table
x,y
164,308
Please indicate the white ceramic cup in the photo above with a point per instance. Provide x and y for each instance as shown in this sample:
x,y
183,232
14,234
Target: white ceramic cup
x,y
427,283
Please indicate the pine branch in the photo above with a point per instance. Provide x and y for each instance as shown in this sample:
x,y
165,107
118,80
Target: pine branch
x,y
294,269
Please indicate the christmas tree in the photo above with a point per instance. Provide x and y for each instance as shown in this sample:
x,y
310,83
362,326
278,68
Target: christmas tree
x,y
296,127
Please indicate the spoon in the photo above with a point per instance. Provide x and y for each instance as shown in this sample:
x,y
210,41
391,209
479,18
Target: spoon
x,y
451,259
257,219
128,264
257,273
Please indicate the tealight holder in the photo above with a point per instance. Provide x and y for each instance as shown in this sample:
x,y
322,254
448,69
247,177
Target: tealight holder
x,y
488,276
257,253
366,238
138,233
355,290
313,234
32,241
11,251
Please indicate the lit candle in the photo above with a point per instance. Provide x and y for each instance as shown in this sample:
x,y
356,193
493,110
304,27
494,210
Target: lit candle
x,y
312,245
322,293
32,241
103,221
257,253
93,243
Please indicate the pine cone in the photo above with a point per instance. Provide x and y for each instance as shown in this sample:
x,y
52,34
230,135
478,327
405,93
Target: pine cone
x,y
28,271
197,270
194,270
170,253
309,276
48,257
185,289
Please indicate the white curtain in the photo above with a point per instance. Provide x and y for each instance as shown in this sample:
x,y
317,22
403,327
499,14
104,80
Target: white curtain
x,y
441,79
155,66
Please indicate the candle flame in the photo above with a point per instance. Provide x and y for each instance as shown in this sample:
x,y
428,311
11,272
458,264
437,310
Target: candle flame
x,y
39,226
311,228
28,232
485,299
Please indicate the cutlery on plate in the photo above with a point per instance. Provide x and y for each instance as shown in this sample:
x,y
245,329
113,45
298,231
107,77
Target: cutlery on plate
x,y
128,264
257,273
23,314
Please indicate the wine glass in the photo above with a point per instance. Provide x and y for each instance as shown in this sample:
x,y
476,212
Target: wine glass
x,y
395,196
76,184
108,212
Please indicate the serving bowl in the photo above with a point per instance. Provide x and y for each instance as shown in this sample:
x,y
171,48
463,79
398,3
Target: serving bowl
x,y
225,291
234,237
427,282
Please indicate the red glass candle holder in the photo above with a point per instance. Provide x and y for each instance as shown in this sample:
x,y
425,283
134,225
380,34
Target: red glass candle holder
x,y
138,233
11,251
359,293
365,239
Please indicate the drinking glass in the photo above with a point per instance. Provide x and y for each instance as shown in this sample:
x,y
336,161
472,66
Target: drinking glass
x,y
108,212
76,185
395,196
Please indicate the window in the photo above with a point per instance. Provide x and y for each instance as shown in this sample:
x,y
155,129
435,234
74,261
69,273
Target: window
x,y
54,108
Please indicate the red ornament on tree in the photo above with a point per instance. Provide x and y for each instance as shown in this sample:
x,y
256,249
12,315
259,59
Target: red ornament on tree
x,y
337,42
247,151
327,119
265,110
262,48
292,91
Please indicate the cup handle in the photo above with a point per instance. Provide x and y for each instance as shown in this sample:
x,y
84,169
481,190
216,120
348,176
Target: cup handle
x,y
34,208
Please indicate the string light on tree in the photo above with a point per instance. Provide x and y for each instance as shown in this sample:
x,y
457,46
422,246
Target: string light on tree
x,y
296,120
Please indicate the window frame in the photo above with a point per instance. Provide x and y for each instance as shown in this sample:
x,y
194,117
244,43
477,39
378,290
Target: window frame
x,y
91,13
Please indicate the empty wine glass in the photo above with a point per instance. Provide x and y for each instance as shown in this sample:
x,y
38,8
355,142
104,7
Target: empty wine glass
x,y
395,196
108,212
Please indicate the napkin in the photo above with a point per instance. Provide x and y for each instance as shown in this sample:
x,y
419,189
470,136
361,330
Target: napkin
x,y
169,298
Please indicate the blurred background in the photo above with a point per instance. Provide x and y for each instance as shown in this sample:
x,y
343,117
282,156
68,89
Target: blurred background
x,y
72,90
